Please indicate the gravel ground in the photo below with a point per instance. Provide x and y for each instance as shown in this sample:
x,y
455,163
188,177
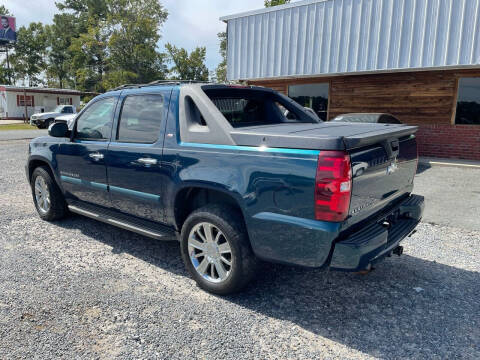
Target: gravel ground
x,y
81,289
6,135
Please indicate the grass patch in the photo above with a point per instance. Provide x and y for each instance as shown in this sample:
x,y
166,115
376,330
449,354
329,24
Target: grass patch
x,y
17,127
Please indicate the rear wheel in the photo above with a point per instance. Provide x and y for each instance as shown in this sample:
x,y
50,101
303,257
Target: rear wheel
x,y
216,250
47,196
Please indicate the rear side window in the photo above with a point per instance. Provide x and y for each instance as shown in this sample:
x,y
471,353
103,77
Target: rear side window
x,y
141,119
253,107
242,111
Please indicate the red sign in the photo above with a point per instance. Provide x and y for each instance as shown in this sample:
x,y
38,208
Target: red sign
x,y
7,29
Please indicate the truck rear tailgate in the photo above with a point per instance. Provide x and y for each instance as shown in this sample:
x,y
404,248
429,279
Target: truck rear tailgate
x,y
381,173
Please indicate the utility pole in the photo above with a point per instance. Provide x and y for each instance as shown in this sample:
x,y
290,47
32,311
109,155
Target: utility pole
x,y
8,67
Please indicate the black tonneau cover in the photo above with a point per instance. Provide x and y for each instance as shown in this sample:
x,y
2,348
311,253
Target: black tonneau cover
x,y
322,136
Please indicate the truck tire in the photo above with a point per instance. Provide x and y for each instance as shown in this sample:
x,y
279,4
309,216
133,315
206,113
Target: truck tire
x,y
47,196
216,250
48,122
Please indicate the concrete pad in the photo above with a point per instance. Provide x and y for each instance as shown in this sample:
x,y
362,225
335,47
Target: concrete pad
x,y
450,162
452,195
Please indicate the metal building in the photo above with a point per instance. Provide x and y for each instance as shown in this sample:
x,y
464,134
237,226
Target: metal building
x,y
346,36
416,59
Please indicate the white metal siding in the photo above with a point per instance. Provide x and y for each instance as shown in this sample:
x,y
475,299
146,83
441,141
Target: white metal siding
x,y
45,101
344,36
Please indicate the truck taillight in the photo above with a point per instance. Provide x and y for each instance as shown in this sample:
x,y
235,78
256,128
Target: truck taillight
x,y
333,186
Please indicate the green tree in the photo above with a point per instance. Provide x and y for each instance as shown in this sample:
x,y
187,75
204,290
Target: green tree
x,y
93,45
89,55
4,10
187,66
116,42
221,70
4,78
59,39
270,3
85,9
134,33
88,49
28,60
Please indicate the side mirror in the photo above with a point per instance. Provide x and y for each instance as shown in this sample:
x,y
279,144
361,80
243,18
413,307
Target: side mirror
x,y
59,130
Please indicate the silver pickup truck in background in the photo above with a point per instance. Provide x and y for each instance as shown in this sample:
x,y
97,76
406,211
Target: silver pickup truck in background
x,y
43,120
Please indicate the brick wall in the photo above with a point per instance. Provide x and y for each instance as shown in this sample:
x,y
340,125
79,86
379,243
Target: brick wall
x,y
449,141
426,99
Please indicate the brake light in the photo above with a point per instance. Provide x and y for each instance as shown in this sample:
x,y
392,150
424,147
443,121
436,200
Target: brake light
x,y
333,186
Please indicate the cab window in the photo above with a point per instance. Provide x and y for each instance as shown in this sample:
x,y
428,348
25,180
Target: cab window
x,y
141,119
96,121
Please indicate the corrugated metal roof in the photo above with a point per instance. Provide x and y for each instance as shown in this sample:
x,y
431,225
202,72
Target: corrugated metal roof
x,y
326,37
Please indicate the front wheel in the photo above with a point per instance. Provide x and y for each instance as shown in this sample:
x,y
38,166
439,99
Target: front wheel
x,y
216,250
47,196
48,122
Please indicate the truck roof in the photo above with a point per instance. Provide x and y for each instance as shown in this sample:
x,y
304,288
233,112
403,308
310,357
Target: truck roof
x,y
181,83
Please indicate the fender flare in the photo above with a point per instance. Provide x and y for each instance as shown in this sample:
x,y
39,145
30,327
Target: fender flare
x,y
48,162
208,185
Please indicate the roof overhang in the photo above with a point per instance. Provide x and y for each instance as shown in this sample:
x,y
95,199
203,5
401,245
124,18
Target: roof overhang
x,y
269,9
358,73
70,92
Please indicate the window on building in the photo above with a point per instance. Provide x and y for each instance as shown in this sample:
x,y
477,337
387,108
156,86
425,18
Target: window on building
x,y
27,100
313,96
141,119
64,101
468,101
96,121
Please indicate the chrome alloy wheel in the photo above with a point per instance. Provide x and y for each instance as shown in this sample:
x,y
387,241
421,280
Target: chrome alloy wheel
x,y
42,195
210,252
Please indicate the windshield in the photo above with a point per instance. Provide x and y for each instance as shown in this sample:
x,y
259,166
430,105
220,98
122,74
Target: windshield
x,y
63,109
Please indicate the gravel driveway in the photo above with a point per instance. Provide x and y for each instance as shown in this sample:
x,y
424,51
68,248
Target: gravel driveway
x,y
81,289
6,135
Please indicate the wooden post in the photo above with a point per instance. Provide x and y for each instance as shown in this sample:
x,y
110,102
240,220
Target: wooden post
x,y
25,103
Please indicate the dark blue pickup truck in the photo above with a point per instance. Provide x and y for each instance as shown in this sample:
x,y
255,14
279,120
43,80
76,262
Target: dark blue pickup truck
x,y
236,174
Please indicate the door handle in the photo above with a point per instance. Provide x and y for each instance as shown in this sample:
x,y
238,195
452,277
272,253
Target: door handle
x,y
96,156
147,161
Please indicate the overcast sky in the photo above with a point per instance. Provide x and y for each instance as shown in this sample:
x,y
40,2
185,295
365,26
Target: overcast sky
x,y
190,23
